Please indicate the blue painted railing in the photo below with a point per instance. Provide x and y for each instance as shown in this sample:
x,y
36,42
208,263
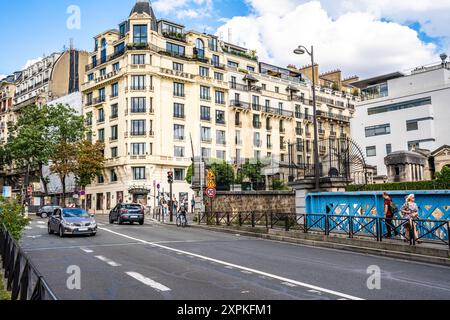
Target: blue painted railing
x,y
433,206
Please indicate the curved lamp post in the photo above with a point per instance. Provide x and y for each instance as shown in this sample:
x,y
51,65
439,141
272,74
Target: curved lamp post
x,y
300,51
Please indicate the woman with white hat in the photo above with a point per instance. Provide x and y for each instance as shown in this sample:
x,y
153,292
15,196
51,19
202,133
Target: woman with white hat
x,y
410,211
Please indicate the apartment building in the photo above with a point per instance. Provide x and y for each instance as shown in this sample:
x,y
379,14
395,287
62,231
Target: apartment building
x,y
157,95
403,112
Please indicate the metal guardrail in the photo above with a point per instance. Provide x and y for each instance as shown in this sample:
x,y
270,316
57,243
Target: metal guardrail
x,y
430,231
23,279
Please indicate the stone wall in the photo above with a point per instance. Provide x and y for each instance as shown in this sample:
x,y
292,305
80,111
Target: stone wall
x,y
251,201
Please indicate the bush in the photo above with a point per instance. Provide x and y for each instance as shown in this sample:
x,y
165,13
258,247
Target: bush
x,y
400,186
11,217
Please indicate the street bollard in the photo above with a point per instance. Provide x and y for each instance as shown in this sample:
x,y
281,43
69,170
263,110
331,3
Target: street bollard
x,y
253,219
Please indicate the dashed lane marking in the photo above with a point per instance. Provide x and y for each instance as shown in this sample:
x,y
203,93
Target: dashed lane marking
x,y
149,282
108,261
273,276
87,250
289,284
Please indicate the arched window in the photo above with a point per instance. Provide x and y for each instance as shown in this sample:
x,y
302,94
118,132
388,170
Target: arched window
x,y
104,50
200,48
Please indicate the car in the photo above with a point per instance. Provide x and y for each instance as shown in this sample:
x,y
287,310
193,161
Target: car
x,y
46,211
127,212
72,221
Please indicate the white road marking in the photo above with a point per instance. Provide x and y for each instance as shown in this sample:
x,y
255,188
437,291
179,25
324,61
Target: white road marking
x,y
28,228
298,283
87,250
289,284
34,237
108,261
41,222
149,282
246,272
41,227
315,291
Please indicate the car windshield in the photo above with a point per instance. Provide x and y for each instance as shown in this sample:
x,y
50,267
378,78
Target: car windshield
x,y
75,213
132,206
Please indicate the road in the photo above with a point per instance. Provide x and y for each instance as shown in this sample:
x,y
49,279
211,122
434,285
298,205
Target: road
x,y
161,262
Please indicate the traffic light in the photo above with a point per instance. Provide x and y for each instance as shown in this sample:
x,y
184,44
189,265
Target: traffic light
x,y
170,177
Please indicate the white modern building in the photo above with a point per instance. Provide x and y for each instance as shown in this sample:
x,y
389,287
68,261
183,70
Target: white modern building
x,y
400,112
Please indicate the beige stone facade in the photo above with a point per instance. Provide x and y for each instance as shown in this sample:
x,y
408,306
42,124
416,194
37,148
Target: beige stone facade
x,y
152,89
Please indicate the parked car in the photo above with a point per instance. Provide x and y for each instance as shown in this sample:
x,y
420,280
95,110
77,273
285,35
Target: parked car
x,y
46,211
127,212
72,221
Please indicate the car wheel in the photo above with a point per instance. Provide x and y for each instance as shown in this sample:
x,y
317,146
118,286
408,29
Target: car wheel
x,y
44,215
131,222
61,232
119,221
111,221
49,229
141,222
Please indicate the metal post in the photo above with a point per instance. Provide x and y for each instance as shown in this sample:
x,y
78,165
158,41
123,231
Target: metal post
x,y
253,219
240,219
350,227
171,203
271,220
448,233
316,136
267,221
228,219
286,223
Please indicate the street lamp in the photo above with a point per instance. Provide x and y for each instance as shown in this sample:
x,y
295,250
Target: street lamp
x,y
300,51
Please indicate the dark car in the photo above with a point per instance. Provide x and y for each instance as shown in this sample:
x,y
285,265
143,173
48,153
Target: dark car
x,y
72,221
46,211
127,212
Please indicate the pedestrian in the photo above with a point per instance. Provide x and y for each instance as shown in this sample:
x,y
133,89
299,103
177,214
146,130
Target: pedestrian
x,y
389,211
175,204
193,204
410,211
165,207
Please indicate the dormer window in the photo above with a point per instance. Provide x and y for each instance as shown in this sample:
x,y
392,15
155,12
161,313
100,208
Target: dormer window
x,y
140,33
200,48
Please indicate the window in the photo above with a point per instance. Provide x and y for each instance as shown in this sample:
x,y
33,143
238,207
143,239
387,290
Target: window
x,y
220,97
205,113
123,29
138,59
220,117
140,33
412,125
178,89
113,176
101,116
204,93
138,127
103,72
138,105
178,152
269,141
378,130
178,132
116,66
221,154
264,86
221,137
218,76
178,67
175,49
137,82
139,173
251,69
400,106
178,110
215,60
90,77
256,122
388,149
101,135
102,94
138,149
204,72
114,111
178,174
212,43
114,152
233,64
206,153
101,179
371,151
89,99
114,90
199,48
277,89
206,134
257,140
114,133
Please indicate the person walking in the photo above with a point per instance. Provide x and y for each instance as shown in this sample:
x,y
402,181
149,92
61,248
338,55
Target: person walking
x,y
410,211
389,208
193,204
175,204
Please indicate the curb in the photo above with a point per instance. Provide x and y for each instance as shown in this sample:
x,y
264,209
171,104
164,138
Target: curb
x,y
330,245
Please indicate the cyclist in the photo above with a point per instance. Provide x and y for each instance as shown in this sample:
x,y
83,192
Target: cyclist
x,y
182,214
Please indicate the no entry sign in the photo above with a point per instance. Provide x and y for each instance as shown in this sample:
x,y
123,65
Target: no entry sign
x,y
211,192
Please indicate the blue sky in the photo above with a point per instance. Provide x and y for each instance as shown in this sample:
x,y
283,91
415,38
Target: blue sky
x,y
34,27
392,34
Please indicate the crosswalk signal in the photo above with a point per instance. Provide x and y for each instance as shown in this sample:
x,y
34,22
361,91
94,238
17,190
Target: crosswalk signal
x,y
170,177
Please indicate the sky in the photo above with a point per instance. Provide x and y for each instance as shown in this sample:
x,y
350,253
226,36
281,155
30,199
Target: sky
x,y
360,37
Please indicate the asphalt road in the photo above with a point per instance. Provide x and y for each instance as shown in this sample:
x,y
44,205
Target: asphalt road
x,y
154,262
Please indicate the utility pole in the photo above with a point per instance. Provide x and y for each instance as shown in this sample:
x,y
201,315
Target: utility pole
x,y
170,180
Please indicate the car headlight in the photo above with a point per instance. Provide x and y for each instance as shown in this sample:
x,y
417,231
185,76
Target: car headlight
x,y
69,224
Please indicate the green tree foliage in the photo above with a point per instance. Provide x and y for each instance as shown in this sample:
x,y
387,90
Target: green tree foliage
x,y
189,175
250,172
224,174
444,175
11,217
279,185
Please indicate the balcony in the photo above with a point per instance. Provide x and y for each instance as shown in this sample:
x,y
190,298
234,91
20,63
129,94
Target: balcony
x,y
240,104
278,112
268,128
333,134
238,124
300,147
256,107
179,116
114,116
333,116
108,59
238,86
321,132
138,88
98,100
257,143
269,146
206,140
175,36
207,119
220,122
221,142
207,99
218,65
257,124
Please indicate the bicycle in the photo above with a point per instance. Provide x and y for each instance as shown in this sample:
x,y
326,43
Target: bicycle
x,y
181,220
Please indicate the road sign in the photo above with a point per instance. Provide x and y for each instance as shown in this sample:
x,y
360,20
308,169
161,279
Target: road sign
x,y
211,184
82,193
211,192
211,175
29,190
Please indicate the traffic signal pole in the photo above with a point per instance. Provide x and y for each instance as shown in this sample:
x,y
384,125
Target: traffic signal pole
x,y
170,180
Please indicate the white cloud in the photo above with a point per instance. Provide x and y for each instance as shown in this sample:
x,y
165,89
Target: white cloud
x,y
2,76
31,62
185,9
166,6
356,41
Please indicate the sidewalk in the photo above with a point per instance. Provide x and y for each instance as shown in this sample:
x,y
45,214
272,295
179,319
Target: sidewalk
x,y
425,252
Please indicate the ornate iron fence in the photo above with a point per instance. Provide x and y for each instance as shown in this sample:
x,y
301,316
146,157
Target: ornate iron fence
x,y
23,279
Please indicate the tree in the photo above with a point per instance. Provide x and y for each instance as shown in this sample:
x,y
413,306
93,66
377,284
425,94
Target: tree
x,y
64,162
444,175
90,162
224,175
30,142
279,185
11,217
252,173
189,175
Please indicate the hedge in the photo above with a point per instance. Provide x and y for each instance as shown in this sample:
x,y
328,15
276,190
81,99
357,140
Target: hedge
x,y
400,186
